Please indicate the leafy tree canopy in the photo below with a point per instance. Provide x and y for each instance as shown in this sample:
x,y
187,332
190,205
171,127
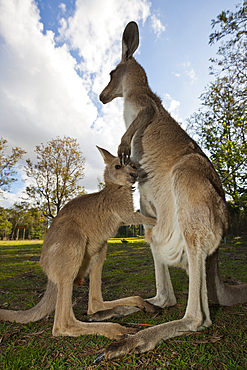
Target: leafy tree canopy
x,y
221,122
56,174
7,165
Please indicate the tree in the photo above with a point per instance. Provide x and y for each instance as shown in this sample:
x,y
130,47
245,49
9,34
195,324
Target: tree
x,y
15,216
56,174
221,125
230,23
233,31
5,224
100,184
36,224
33,224
7,165
221,122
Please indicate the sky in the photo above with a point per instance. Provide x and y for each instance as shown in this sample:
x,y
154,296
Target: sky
x,y
56,56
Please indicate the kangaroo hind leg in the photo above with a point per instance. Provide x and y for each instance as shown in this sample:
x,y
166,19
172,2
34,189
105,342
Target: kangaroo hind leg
x,y
104,310
197,312
72,251
67,270
196,315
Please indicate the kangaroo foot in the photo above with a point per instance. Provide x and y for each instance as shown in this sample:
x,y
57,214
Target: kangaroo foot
x,y
118,312
119,349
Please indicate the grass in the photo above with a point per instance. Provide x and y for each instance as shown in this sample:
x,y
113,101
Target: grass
x,y
128,270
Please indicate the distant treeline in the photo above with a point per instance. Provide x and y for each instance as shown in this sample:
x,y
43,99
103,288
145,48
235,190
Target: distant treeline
x,y
23,221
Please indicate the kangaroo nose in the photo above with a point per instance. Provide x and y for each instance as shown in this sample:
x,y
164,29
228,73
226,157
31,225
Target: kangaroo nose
x,y
102,98
134,175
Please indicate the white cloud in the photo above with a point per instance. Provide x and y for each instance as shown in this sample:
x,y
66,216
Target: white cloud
x,y
18,194
42,95
8,199
39,85
62,6
173,107
191,74
157,25
95,31
189,71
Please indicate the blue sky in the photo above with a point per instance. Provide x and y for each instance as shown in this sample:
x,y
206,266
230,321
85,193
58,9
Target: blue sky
x,y
55,58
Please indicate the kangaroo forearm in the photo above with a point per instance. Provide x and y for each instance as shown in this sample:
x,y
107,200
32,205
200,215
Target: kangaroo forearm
x,y
149,221
143,118
137,219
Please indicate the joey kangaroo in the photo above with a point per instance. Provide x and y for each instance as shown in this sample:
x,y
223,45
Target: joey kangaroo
x,y
179,186
75,246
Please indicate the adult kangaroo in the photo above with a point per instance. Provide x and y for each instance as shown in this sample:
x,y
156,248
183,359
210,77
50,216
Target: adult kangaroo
x,y
179,186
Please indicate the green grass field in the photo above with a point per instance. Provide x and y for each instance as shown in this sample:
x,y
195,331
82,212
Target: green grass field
x,y
128,270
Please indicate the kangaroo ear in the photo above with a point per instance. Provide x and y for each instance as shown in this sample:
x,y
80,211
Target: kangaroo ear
x,y
108,157
130,40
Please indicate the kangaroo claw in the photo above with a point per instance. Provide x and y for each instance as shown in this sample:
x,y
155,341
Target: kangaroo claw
x,y
99,358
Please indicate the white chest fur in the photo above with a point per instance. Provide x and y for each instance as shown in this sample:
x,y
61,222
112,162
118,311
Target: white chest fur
x,y
130,113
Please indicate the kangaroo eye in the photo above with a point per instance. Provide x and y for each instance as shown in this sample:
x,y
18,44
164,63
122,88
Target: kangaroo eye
x,y
117,166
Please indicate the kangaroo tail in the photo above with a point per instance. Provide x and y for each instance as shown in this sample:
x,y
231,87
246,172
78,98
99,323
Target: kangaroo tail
x,y
43,308
218,291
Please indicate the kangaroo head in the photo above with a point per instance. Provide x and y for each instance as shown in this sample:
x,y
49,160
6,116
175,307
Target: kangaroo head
x,y
115,173
130,42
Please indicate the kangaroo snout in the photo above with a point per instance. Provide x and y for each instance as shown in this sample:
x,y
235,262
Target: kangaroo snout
x,y
134,175
102,98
